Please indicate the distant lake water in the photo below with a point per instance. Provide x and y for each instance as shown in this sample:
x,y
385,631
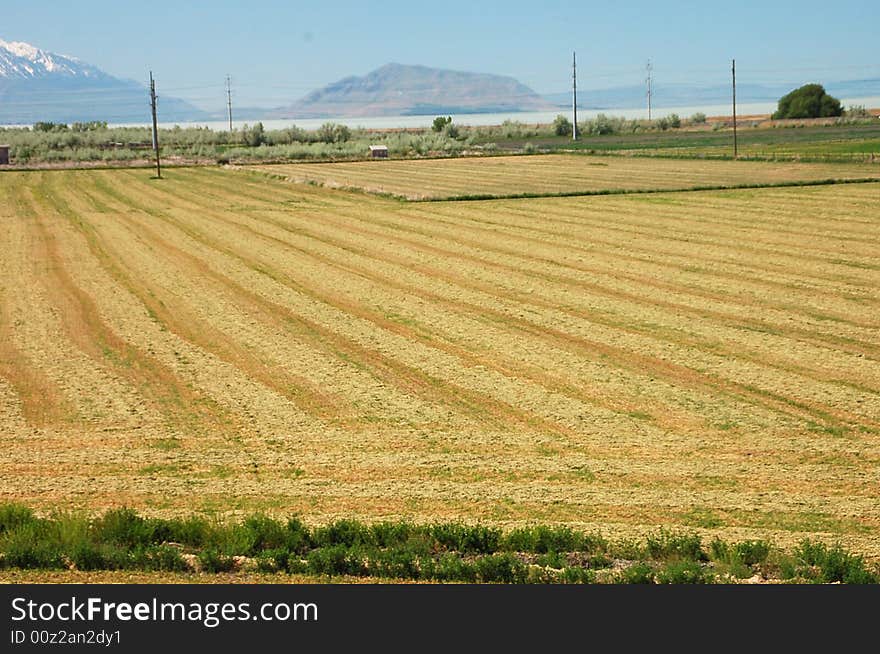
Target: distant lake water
x,y
538,117
535,117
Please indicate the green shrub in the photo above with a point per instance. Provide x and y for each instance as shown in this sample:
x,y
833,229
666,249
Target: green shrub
x,y
299,538
13,516
273,560
466,538
398,564
683,572
669,545
68,530
194,531
600,561
674,121
857,112
752,552
30,547
391,534
501,568
336,560
88,556
161,558
448,567
575,575
638,573
834,564
263,533
451,131
343,532
542,539
123,527
699,118
253,136
747,553
562,126
604,125
50,127
212,560
297,565
333,133
440,123
552,560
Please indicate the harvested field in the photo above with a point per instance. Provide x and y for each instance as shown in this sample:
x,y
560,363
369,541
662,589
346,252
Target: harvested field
x,y
225,342
555,174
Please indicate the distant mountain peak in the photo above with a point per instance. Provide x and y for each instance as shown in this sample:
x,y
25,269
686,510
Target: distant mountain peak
x,y
36,84
414,89
23,60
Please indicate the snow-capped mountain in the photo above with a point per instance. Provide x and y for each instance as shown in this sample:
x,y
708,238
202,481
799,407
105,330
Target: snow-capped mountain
x,y
37,85
23,61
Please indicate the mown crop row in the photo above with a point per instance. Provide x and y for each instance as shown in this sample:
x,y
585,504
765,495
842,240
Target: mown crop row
x,y
121,539
556,175
225,342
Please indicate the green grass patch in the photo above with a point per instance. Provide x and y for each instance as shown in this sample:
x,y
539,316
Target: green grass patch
x,y
121,539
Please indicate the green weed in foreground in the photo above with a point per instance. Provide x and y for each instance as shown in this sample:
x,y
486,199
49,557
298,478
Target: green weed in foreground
x,y
121,539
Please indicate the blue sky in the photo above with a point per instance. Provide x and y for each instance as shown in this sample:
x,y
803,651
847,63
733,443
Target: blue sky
x,y
277,51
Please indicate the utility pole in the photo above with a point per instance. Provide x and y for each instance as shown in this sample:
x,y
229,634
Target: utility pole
x,y
229,100
155,124
733,72
574,97
649,68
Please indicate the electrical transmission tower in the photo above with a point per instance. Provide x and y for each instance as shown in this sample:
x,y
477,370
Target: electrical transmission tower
x,y
649,69
229,100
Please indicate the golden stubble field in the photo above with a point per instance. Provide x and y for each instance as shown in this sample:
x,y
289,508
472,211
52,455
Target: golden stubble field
x,y
554,174
220,341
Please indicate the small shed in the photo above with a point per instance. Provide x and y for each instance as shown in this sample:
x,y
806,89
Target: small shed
x,y
379,151
4,155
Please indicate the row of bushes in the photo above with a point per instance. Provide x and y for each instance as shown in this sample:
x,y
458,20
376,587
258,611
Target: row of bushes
x,y
250,143
603,125
123,540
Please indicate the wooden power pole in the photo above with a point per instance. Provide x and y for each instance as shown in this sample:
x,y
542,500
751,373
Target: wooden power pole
x,y
574,97
733,72
155,125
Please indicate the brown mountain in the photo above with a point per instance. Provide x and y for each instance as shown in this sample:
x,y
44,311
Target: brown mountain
x,y
399,90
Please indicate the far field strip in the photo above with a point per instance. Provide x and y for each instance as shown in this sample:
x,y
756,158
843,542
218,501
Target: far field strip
x,y
557,174
227,342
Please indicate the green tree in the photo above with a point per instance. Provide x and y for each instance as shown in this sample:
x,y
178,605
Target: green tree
x,y
333,133
253,136
808,101
561,126
440,122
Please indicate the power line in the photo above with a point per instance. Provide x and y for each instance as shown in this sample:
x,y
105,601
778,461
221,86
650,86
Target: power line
x,y
649,68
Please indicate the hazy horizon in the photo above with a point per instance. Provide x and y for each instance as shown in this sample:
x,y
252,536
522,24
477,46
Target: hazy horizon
x,y
277,53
